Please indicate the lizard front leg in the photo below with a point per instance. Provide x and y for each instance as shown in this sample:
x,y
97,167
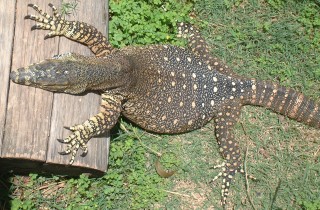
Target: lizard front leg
x,y
77,31
100,123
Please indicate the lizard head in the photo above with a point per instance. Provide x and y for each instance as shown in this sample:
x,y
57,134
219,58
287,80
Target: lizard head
x,y
62,73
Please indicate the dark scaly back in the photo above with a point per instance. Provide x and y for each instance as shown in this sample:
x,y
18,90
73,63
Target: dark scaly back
x,y
174,90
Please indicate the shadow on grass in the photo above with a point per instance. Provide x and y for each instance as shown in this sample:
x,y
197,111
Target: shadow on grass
x,y
5,187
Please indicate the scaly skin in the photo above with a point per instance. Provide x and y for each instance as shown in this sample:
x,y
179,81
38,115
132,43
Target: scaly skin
x,y
161,88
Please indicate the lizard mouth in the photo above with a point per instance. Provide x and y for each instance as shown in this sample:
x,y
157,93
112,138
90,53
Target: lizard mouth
x,y
52,87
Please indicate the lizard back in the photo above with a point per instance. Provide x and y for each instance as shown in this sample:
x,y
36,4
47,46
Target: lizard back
x,y
174,91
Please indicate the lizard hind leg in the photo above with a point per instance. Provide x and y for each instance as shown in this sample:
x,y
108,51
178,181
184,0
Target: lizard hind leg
x,y
228,146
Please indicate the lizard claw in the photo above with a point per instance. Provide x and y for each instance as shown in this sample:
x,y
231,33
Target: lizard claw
x,y
33,27
68,128
37,26
74,128
84,153
47,36
64,153
27,17
61,140
78,139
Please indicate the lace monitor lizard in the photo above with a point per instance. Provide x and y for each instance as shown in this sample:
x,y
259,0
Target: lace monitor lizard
x,y
161,88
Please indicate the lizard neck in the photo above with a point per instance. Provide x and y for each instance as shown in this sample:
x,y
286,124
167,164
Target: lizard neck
x,y
107,73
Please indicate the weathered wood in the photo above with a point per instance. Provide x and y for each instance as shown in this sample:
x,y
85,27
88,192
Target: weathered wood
x,y
79,108
29,109
34,117
6,42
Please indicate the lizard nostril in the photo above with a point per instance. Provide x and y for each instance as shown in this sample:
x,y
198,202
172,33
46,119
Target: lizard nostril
x,y
20,76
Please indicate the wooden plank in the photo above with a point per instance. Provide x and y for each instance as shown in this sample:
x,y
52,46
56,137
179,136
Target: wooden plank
x,y
29,109
69,110
35,118
7,12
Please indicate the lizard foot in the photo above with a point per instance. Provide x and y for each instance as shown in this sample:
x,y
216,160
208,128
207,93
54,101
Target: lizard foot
x,y
227,175
79,139
45,21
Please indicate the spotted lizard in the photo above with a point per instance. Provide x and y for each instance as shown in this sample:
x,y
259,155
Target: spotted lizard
x,y
161,88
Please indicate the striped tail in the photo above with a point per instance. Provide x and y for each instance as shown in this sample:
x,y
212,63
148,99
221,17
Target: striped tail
x,y
285,101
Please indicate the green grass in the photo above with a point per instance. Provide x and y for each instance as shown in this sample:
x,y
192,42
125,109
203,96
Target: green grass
x,y
143,22
268,39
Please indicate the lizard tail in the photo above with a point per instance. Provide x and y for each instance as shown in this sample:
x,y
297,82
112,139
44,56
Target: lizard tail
x,y
285,101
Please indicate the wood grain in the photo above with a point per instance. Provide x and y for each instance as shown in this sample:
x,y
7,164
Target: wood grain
x,y
34,117
7,10
29,109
